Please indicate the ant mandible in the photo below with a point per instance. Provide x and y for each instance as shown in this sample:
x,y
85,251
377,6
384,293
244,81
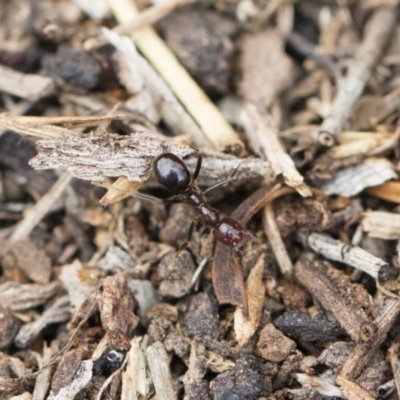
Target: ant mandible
x,y
172,173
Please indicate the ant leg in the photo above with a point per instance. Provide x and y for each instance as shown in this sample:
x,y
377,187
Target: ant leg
x,y
237,252
198,166
250,234
225,181
190,233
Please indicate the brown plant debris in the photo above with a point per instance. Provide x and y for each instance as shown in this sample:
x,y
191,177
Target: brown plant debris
x,y
199,200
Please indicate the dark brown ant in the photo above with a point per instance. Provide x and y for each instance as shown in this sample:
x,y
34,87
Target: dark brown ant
x,y
173,174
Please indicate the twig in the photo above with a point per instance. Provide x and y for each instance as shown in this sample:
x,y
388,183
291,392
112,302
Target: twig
x,y
393,353
275,239
316,279
381,224
263,135
303,46
158,361
40,209
350,87
351,390
361,353
26,86
150,15
203,111
142,81
352,255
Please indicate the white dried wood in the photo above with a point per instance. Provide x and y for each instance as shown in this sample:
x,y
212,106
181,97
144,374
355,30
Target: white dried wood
x,y
81,379
348,254
353,180
93,157
381,224
39,210
350,87
263,136
204,112
26,86
158,361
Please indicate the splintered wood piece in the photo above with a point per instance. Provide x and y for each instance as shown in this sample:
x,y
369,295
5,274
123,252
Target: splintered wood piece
x,y
350,87
134,379
348,302
323,386
115,305
39,210
151,95
351,390
52,127
158,361
80,380
93,158
58,312
381,224
394,353
363,143
26,86
16,297
352,180
363,352
263,135
348,254
150,15
43,380
275,238
255,288
204,112
194,382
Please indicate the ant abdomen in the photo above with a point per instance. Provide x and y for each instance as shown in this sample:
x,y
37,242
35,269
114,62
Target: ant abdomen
x,y
172,173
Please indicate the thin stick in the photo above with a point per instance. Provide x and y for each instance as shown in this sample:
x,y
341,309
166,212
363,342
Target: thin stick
x,y
199,106
350,87
362,353
40,209
275,238
158,361
348,254
150,15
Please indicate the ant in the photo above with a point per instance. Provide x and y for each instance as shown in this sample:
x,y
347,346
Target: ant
x,y
172,173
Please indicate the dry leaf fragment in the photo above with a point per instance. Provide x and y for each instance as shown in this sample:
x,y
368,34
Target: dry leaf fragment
x,y
116,311
255,288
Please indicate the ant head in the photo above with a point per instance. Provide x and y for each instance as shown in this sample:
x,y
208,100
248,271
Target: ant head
x,y
171,172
